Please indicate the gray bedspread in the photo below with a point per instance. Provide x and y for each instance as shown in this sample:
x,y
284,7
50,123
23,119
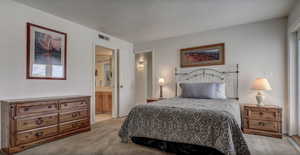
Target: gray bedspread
x,y
211,123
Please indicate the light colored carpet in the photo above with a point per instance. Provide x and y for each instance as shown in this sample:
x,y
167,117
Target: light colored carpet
x,y
104,140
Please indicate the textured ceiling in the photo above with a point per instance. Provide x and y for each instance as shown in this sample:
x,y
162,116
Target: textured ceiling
x,y
145,20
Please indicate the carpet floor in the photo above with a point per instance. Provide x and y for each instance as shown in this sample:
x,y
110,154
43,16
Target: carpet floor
x,y
103,140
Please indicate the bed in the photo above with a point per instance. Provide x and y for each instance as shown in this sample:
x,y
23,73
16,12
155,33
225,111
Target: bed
x,y
208,126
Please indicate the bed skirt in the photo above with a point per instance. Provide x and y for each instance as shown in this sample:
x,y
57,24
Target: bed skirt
x,y
178,148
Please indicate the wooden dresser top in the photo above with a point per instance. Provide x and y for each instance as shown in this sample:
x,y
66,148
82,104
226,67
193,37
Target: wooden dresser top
x,y
43,99
264,106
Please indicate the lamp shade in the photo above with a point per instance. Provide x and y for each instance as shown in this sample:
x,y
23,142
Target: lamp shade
x,y
161,81
261,84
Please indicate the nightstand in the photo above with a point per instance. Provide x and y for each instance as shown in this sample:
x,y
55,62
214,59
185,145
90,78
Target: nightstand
x,y
262,120
149,100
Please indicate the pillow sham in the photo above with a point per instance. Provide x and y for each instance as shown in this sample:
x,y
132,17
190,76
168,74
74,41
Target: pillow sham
x,y
203,90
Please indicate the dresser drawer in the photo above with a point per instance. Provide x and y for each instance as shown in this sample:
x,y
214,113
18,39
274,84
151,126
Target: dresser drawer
x,y
30,136
263,125
70,116
66,127
36,108
74,105
36,122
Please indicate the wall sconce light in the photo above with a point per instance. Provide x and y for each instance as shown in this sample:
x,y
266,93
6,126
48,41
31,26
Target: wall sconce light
x,y
141,65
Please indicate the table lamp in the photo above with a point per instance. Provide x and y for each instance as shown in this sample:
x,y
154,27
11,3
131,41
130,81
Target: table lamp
x,y
161,81
261,84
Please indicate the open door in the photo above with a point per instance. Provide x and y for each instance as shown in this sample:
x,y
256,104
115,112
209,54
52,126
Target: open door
x,y
105,82
123,85
126,82
116,79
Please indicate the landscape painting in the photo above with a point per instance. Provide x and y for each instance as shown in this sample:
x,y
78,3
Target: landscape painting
x,y
203,56
47,49
46,53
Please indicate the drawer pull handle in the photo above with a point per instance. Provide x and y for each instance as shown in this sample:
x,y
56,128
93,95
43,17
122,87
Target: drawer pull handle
x,y
39,121
39,134
26,109
261,113
49,106
261,123
74,115
65,104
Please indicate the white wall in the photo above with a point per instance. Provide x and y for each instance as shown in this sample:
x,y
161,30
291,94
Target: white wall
x,y
80,60
259,48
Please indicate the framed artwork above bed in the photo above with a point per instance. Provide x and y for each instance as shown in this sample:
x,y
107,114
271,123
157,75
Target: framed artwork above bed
x,y
207,55
46,53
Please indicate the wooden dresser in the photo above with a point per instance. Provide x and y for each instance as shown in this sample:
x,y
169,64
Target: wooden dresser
x,y
29,122
103,102
263,120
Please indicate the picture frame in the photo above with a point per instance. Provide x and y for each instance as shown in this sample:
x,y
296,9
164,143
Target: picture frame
x,y
207,55
46,53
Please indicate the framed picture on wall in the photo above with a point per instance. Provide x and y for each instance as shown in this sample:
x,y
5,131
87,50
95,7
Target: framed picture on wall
x,y
207,55
46,53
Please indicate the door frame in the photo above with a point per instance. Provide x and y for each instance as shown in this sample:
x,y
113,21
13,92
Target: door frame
x,y
154,65
115,88
293,107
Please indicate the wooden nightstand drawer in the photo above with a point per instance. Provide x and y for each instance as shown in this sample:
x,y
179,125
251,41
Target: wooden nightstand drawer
x,y
262,120
263,115
263,125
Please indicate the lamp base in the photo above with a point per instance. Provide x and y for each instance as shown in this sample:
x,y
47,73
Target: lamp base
x,y
260,99
161,92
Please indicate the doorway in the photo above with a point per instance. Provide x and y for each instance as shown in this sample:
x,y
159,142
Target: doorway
x,y
105,75
144,77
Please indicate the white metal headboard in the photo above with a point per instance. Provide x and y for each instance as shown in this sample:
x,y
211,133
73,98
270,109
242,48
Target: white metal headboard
x,y
225,74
